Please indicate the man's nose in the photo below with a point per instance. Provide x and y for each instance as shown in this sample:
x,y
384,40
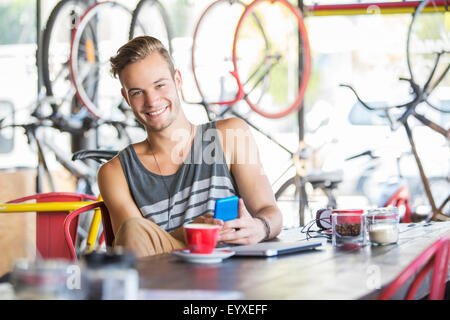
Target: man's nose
x,y
152,98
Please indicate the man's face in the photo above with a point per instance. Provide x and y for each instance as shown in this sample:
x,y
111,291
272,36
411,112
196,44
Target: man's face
x,y
151,91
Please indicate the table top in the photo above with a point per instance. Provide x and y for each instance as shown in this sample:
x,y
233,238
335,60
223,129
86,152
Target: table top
x,y
326,273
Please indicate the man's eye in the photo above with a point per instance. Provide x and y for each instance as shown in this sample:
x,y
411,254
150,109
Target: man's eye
x,y
135,93
160,85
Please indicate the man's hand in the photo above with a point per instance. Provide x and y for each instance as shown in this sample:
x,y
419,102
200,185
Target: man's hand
x,y
243,230
208,218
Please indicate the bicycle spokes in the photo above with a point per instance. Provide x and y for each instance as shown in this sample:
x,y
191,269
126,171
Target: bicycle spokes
x,y
284,38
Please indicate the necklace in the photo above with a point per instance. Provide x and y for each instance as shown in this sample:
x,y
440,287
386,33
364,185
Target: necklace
x,y
163,178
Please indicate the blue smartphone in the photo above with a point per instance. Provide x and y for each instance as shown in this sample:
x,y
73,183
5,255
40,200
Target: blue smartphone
x,y
226,208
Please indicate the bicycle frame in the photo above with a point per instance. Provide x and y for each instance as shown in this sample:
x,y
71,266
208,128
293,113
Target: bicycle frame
x,y
230,109
420,96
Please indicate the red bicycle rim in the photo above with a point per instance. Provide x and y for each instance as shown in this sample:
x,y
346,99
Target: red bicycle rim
x,y
81,95
93,112
307,59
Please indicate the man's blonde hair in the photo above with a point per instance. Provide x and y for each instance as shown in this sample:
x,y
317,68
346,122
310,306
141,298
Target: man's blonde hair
x,y
137,49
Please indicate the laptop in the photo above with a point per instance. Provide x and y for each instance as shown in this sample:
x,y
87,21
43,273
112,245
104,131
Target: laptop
x,y
275,248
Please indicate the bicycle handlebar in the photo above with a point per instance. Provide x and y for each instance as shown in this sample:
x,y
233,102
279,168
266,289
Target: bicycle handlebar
x,y
362,154
70,125
97,155
420,96
392,122
365,105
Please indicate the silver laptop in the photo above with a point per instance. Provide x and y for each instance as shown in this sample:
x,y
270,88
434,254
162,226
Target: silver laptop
x,y
274,248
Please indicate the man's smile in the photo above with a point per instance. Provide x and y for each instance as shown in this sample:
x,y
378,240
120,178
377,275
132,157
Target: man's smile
x,y
157,113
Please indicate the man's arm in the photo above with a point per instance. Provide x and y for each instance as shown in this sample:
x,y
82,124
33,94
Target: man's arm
x,y
115,193
254,187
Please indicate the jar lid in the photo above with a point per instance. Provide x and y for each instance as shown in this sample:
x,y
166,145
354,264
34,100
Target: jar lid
x,y
124,260
94,259
98,260
383,213
361,211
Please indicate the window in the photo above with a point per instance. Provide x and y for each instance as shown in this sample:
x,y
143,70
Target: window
x,y
17,21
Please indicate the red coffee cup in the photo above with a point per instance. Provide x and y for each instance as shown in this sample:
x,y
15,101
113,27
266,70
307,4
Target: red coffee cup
x,y
201,238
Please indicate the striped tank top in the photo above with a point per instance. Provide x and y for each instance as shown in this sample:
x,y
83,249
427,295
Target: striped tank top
x,y
201,180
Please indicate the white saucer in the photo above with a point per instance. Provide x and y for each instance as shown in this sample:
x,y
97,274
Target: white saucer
x,y
215,257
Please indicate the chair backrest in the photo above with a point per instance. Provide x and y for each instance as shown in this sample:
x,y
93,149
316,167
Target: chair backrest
x,y
107,227
401,198
49,242
436,258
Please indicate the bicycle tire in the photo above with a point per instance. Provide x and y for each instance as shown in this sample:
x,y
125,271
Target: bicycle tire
x,y
77,80
422,15
296,105
47,36
163,15
293,183
195,73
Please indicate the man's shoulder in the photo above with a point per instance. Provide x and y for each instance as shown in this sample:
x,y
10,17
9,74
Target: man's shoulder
x,y
112,164
231,123
115,162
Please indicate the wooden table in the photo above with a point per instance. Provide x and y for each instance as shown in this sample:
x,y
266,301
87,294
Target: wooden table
x,y
328,273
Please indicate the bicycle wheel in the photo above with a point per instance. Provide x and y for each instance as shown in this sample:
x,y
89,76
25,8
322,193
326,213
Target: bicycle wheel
x,y
211,54
291,198
283,24
428,51
56,51
90,52
150,18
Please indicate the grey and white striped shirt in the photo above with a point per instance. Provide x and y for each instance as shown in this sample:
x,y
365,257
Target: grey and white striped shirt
x,y
201,180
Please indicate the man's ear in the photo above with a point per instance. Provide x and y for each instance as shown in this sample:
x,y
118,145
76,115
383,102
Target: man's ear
x,y
124,95
177,78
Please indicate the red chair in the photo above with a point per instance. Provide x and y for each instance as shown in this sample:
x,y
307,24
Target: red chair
x,y
107,234
49,242
435,257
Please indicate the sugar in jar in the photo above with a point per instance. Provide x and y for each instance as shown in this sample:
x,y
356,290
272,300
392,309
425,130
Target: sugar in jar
x,y
382,225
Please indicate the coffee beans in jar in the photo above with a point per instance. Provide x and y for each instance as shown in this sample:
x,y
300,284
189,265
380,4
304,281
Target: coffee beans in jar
x,y
348,229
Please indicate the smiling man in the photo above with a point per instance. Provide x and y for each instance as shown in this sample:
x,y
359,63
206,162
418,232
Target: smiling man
x,y
173,177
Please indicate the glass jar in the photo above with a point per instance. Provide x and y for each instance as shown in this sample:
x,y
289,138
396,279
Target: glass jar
x,y
110,276
382,225
44,280
348,228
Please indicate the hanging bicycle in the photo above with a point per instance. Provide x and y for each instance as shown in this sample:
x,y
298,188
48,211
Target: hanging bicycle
x,y
429,68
